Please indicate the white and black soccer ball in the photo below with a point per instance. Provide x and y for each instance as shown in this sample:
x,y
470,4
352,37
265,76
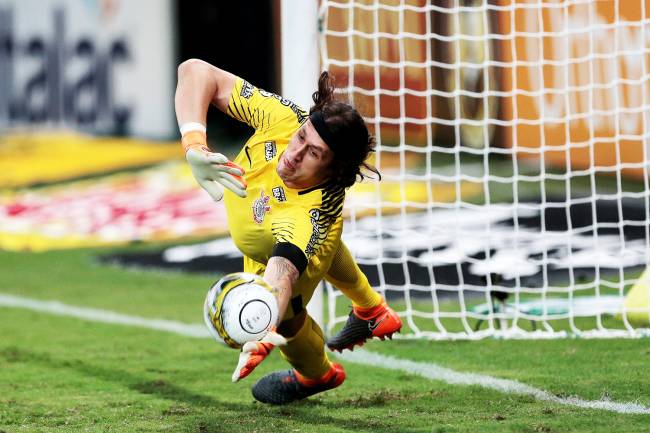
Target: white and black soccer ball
x,y
240,308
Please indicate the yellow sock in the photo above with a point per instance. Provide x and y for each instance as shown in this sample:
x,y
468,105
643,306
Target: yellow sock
x,y
345,275
305,351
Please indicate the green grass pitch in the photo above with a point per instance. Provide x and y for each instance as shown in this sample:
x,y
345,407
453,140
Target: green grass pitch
x,y
61,374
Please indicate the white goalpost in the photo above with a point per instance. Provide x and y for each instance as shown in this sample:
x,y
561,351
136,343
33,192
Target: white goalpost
x,y
300,66
513,143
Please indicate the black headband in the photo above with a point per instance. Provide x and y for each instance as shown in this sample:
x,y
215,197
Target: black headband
x,y
323,130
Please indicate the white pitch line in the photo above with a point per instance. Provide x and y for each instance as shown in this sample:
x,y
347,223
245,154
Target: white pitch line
x,y
104,316
424,369
436,372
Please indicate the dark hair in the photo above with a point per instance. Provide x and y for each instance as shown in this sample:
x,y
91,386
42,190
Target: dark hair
x,y
354,142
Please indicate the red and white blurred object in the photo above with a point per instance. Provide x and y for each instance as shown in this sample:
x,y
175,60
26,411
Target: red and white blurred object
x,y
157,204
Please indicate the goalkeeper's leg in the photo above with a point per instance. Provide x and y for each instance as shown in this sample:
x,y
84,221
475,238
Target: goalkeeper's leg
x,y
370,315
312,371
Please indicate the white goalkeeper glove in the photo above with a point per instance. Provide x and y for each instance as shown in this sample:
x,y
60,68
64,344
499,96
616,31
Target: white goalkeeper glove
x,y
254,352
212,170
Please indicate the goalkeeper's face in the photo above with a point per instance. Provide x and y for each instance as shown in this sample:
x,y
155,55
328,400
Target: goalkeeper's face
x,y
306,161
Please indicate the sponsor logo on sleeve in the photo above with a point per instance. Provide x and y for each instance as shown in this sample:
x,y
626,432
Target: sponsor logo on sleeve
x,y
278,194
301,115
247,90
315,234
270,150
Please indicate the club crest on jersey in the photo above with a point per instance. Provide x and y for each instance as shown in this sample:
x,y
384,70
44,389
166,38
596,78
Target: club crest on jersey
x,y
270,150
278,194
261,207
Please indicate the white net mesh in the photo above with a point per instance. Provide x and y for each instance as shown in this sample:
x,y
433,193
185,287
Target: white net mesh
x,y
513,143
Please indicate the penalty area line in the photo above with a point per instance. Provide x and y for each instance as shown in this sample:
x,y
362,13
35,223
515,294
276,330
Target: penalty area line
x,y
507,386
424,369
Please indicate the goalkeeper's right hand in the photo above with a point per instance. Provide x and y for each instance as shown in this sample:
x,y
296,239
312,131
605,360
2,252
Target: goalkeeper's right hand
x,y
212,170
254,352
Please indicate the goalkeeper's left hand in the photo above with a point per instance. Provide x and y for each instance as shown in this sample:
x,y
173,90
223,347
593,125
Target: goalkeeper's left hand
x,y
254,352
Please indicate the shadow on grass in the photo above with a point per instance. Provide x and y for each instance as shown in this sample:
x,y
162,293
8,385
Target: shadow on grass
x,y
254,415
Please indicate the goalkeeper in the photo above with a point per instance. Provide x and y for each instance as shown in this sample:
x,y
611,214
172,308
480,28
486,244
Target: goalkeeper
x,y
284,196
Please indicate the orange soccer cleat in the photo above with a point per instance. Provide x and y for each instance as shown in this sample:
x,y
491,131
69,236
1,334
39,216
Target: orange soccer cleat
x,y
379,321
282,387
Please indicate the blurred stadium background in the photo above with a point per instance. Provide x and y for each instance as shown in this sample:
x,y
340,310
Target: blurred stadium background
x,y
532,115
513,140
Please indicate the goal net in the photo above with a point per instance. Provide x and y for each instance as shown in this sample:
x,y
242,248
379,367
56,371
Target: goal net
x,y
513,145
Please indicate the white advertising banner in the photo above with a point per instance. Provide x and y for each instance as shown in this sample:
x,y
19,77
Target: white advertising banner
x,y
100,66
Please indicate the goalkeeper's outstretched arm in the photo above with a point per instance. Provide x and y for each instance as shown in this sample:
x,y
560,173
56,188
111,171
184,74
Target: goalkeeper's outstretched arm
x,y
282,275
199,85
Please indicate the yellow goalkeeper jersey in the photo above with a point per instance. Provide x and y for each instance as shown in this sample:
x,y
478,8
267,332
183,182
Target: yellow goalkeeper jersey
x,y
302,225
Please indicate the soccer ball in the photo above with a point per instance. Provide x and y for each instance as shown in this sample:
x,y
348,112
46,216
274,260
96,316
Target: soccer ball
x,y
240,308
